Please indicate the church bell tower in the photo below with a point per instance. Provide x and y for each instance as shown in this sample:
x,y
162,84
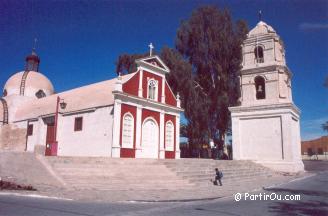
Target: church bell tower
x,y
266,127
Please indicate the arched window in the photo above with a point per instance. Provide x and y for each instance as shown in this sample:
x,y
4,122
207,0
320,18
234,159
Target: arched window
x,y
259,57
40,94
127,131
4,94
169,136
152,89
260,87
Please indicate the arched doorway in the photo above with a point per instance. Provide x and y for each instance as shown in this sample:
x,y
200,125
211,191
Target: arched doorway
x,y
149,139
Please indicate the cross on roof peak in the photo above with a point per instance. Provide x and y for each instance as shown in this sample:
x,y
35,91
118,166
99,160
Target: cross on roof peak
x,y
34,46
260,15
151,47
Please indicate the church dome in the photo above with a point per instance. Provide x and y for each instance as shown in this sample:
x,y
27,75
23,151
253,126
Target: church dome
x,y
30,84
261,28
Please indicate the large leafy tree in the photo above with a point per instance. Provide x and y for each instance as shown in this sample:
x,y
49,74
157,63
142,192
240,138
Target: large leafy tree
x,y
204,70
126,63
181,79
325,125
211,42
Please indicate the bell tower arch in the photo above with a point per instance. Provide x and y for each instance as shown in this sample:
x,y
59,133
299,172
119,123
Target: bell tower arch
x,y
266,127
264,56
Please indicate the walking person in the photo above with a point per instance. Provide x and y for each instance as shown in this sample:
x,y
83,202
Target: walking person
x,y
218,177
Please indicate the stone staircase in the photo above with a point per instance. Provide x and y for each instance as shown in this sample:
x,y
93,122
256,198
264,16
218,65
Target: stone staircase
x,y
148,174
116,174
201,171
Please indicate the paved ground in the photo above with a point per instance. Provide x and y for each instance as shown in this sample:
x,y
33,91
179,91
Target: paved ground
x,y
313,193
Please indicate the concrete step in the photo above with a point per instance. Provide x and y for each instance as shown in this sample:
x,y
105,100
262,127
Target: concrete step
x,y
136,177
200,177
109,167
229,178
73,181
232,170
123,187
99,160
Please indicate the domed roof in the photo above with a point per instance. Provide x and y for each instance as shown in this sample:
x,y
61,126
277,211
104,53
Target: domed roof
x,y
34,82
261,28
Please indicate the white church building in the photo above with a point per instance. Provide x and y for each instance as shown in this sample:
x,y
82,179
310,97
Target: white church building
x,y
135,115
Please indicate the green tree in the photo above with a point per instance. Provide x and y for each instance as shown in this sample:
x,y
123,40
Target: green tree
x,y
193,99
325,125
205,71
126,63
211,42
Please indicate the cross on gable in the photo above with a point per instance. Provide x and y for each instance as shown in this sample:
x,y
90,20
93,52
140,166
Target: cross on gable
x,y
154,62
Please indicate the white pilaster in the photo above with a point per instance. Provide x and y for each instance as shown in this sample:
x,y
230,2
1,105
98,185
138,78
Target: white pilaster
x,y
177,138
163,90
161,136
178,101
236,152
116,129
138,131
60,127
140,83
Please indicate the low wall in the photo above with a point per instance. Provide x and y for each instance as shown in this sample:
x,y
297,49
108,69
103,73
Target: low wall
x,y
12,138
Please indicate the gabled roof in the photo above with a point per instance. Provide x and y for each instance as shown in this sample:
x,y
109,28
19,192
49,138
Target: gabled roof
x,y
154,63
86,97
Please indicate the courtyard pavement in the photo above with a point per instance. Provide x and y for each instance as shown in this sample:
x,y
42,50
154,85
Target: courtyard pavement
x,y
311,189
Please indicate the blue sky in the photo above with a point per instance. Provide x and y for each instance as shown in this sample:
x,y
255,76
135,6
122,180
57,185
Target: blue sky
x,y
79,41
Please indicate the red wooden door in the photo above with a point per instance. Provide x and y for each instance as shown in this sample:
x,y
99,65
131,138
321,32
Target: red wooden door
x,y
51,146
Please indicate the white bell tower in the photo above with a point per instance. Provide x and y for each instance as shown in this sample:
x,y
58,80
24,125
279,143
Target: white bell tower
x,y
266,127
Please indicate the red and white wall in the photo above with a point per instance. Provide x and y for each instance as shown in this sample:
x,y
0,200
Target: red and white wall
x,y
148,125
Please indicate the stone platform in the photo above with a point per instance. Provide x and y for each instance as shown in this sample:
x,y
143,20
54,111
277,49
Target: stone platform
x,y
108,179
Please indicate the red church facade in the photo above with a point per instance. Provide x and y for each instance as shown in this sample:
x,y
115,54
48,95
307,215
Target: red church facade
x,y
146,114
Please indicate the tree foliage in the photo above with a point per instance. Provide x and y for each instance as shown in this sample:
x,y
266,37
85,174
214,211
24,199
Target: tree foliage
x,y
325,125
211,42
204,69
126,63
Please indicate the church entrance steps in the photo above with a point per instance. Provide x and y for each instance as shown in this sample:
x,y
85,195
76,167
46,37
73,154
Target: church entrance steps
x,y
108,174
201,171
113,174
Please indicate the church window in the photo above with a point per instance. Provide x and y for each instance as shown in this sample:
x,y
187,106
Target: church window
x,y
40,94
5,93
30,130
78,124
259,57
127,131
260,87
152,89
169,136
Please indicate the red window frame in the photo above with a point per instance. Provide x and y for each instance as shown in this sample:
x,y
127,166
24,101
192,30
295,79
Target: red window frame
x,y
30,130
78,124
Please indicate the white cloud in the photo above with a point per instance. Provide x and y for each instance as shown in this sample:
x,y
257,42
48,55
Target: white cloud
x,y
313,26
